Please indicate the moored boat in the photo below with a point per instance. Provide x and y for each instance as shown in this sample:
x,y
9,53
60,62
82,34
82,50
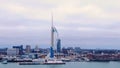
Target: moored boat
x,y
4,62
53,61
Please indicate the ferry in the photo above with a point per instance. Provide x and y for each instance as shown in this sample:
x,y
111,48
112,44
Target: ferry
x,y
54,61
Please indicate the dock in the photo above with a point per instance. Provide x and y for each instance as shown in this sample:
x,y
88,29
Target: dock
x,y
38,63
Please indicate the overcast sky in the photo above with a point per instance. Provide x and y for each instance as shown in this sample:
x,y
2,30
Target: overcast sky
x,y
82,23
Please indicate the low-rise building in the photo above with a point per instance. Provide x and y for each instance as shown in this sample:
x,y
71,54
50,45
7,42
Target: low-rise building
x,y
12,52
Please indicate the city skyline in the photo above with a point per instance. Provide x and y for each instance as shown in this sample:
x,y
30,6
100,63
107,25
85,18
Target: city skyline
x,y
82,23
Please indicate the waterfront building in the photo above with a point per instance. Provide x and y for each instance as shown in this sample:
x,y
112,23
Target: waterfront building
x,y
77,49
28,49
36,50
64,51
3,51
20,48
12,52
70,48
58,46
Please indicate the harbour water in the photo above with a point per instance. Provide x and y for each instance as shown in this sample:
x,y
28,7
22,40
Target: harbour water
x,y
67,65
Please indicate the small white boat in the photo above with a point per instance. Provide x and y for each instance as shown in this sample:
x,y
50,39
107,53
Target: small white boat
x,y
65,60
4,62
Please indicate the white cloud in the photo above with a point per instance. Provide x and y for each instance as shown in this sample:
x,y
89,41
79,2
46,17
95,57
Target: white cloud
x,y
69,15
63,8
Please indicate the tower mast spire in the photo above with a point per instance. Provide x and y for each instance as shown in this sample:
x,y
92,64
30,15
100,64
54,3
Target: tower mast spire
x,y
52,38
52,31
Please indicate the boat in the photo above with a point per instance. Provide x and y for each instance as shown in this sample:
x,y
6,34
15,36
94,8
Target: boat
x,y
65,60
33,62
54,61
4,62
29,63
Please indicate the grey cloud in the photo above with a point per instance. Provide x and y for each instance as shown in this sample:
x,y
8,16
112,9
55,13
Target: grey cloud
x,y
77,24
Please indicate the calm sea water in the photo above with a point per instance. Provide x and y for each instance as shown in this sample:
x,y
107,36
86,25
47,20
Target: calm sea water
x,y
67,65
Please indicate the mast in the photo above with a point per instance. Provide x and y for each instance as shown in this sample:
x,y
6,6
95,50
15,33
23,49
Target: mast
x,y
52,31
52,39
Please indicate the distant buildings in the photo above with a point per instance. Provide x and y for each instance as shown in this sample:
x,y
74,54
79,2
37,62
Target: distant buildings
x,y
20,48
77,49
36,50
72,53
12,52
28,49
3,51
65,51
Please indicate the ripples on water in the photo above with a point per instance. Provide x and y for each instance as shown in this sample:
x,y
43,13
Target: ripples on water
x,y
67,65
